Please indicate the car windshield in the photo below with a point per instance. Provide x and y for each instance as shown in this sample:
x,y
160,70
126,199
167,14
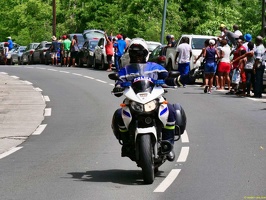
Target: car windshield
x,y
80,39
47,45
151,47
93,34
93,44
198,43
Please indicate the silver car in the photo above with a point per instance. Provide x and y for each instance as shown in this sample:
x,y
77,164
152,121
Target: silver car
x,y
16,55
26,57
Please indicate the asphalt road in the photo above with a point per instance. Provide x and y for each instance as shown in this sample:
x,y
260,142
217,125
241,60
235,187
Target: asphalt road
x,y
222,156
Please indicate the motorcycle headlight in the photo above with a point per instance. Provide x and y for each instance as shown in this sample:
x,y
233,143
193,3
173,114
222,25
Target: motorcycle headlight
x,y
137,106
150,106
91,53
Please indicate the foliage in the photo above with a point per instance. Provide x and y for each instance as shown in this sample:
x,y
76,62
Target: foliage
x,y
31,20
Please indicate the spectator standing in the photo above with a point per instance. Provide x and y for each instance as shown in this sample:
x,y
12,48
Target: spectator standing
x,y
236,30
74,50
109,49
173,42
168,39
259,66
10,43
54,50
66,50
210,66
247,38
120,46
230,36
248,67
182,58
224,66
237,53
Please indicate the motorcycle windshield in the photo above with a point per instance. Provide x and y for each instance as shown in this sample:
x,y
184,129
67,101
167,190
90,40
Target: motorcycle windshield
x,y
141,80
142,84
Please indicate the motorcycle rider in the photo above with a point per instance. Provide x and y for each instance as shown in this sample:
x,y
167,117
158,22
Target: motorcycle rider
x,y
138,52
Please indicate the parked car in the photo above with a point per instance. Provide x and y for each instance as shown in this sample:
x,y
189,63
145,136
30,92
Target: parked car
x,y
3,53
16,55
100,58
80,38
48,57
152,45
26,57
196,42
86,53
158,55
40,51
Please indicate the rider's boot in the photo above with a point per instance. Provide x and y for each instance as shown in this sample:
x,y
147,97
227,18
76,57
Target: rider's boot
x,y
169,135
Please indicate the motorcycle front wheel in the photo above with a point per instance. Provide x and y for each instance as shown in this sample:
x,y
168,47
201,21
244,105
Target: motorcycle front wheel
x,y
146,158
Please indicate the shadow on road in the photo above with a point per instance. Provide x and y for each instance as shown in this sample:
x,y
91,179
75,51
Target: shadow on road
x,y
125,177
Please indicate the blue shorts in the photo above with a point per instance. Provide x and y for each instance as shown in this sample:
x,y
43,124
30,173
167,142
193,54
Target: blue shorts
x,y
210,68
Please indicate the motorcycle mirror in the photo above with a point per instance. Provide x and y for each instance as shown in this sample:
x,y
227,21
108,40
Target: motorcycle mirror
x,y
113,76
174,74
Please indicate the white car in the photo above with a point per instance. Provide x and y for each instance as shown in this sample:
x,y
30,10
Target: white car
x,y
196,42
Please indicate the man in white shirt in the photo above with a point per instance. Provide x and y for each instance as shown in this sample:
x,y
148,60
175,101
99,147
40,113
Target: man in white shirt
x,y
236,30
183,55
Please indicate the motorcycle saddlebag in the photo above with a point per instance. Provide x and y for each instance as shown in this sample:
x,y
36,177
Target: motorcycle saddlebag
x,y
181,119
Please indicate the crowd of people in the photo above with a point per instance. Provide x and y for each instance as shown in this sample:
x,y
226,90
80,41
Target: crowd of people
x,y
233,60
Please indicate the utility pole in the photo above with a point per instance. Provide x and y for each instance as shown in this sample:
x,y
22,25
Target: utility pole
x,y
54,17
163,21
263,25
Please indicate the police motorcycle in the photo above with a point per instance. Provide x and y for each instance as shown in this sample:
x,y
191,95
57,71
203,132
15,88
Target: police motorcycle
x,y
144,112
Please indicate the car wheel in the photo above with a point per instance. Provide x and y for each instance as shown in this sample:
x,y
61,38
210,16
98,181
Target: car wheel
x,y
89,63
169,66
95,65
102,63
80,63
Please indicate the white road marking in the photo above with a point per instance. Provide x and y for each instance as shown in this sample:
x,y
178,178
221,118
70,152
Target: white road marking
x,y
40,68
111,84
27,82
88,77
46,98
183,154
29,67
64,72
38,89
3,73
184,137
47,112
15,77
77,74
7,153
40,129
100,81
168,180
54,70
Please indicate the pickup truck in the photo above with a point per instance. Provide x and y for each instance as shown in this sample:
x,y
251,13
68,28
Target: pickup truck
x,y
196,42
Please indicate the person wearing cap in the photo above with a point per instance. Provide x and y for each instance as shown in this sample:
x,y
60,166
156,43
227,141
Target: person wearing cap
x,y
120,46
230,36
10,43
259,66
173,42
247,38
210,54
109,50
66,50
54,50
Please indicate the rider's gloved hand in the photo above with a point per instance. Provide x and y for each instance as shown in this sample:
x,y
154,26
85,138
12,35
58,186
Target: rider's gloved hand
x,y
118,91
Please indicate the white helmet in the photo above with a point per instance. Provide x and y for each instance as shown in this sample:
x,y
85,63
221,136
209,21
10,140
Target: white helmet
x,y
138,47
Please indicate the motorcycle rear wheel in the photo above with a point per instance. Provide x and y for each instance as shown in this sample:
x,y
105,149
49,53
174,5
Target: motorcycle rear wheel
x,y
146,158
